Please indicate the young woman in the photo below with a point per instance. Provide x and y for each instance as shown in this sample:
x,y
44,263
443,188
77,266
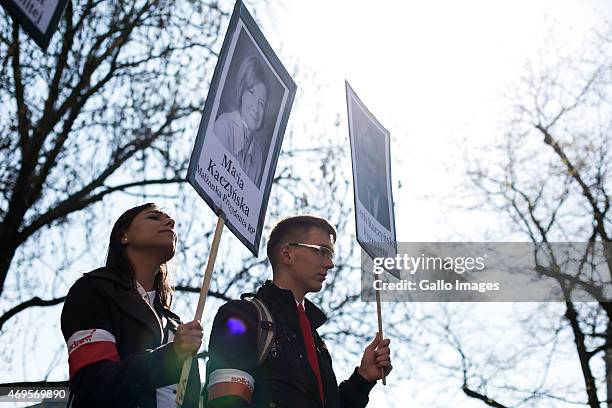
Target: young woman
x,y
125,346
236,129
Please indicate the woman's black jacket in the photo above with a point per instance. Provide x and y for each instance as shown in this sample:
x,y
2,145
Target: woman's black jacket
x,y
117,355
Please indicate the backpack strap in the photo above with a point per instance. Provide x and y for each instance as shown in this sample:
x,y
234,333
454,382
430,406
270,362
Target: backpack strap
x,y
265,327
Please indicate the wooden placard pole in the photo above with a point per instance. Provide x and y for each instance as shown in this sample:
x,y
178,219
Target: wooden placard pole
x,y
212,256
380,330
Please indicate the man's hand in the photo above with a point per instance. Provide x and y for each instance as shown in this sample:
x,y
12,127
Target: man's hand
x,y
187,340
377,355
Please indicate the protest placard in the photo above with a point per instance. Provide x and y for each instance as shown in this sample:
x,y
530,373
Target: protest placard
x,y
371,159
374,216
236,150
242,128
39,18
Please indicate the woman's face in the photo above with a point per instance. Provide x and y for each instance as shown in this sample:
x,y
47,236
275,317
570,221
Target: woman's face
x,y
153,230
252,105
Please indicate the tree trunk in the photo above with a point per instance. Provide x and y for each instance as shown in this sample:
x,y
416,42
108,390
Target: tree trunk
x,y
589,380
7,252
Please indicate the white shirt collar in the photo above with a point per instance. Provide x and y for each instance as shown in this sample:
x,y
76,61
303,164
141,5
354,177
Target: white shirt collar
x,y
149,296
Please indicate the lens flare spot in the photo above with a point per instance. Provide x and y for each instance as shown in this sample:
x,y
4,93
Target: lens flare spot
x,y
235,325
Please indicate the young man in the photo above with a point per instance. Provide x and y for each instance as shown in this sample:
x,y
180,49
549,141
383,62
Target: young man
x,y
297,371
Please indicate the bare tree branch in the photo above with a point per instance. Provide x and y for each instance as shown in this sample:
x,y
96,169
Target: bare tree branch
x,y
473,394
36,301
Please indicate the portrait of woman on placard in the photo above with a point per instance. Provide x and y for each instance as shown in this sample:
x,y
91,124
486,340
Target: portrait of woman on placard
x,y
238,130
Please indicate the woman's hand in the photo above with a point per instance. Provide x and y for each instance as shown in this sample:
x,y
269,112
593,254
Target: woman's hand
x,y
188,339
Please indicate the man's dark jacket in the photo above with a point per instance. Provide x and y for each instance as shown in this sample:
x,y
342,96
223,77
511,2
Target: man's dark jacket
x,y
285,378
108,303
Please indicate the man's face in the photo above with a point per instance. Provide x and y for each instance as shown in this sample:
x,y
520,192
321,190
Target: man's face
x,y
368,170
368,150
309,268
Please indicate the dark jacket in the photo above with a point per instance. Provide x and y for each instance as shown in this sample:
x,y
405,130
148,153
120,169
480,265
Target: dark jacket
x,y
285,378
119,345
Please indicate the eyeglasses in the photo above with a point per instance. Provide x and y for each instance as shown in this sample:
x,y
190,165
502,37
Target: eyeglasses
x,y
319,249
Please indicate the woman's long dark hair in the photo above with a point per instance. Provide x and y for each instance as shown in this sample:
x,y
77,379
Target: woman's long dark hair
x,y
117,261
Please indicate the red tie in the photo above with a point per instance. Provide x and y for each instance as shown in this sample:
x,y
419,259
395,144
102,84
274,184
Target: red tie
x,y
311,352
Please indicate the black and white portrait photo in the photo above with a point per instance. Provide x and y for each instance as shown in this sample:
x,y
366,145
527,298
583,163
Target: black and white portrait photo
x,y
370,163
248,108
236,129
242,128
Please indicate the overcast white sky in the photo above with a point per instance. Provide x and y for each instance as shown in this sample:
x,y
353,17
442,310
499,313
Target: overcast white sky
x,y
433,72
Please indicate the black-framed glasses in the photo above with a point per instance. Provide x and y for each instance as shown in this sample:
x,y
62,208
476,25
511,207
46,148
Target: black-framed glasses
x,y
319,249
